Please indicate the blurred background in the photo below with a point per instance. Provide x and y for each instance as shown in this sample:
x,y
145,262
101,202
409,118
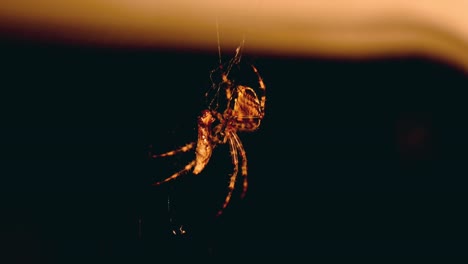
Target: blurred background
x,y
362,150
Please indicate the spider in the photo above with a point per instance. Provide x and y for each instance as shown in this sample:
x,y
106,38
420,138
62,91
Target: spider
x,y
242,112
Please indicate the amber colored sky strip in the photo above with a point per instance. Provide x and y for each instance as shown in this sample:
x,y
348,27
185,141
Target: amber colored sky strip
x,y
343,28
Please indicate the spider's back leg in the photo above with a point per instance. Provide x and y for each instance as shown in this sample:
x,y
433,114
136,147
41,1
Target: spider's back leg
x,y
243,154
232,181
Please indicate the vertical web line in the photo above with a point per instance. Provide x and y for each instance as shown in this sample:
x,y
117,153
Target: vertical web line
x,y
217,37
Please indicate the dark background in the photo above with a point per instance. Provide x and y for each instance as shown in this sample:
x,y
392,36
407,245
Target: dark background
x,y
358,157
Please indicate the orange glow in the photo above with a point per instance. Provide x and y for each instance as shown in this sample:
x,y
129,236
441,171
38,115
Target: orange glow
x,y
342,28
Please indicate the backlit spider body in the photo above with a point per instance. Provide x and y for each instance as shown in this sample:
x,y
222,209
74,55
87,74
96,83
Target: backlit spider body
x,y
243,111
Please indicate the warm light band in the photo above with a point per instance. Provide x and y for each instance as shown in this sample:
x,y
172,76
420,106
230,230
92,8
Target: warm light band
x,y
344,28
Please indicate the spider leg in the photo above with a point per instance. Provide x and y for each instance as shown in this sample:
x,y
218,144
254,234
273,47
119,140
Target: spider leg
x,y
247,123
236,58
262,87
243,154
232,181
177,174
185,148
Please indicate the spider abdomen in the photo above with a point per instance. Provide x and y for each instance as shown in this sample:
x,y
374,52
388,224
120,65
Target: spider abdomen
x,y
204,144
246,111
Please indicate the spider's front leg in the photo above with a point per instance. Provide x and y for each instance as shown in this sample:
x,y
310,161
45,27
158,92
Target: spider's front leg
x,y
185,148
186,169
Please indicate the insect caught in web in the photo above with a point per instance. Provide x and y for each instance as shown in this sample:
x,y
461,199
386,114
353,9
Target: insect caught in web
x,y
232,107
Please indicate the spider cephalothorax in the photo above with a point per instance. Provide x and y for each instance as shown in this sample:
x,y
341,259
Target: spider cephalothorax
x,y
243,111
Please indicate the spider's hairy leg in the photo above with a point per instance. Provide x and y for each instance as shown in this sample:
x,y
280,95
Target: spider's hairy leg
x,y
243,154
187,168
262,87
236,59
215,89
185,148
232,181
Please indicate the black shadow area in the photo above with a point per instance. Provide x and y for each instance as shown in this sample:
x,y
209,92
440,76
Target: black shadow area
x,y
352,158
